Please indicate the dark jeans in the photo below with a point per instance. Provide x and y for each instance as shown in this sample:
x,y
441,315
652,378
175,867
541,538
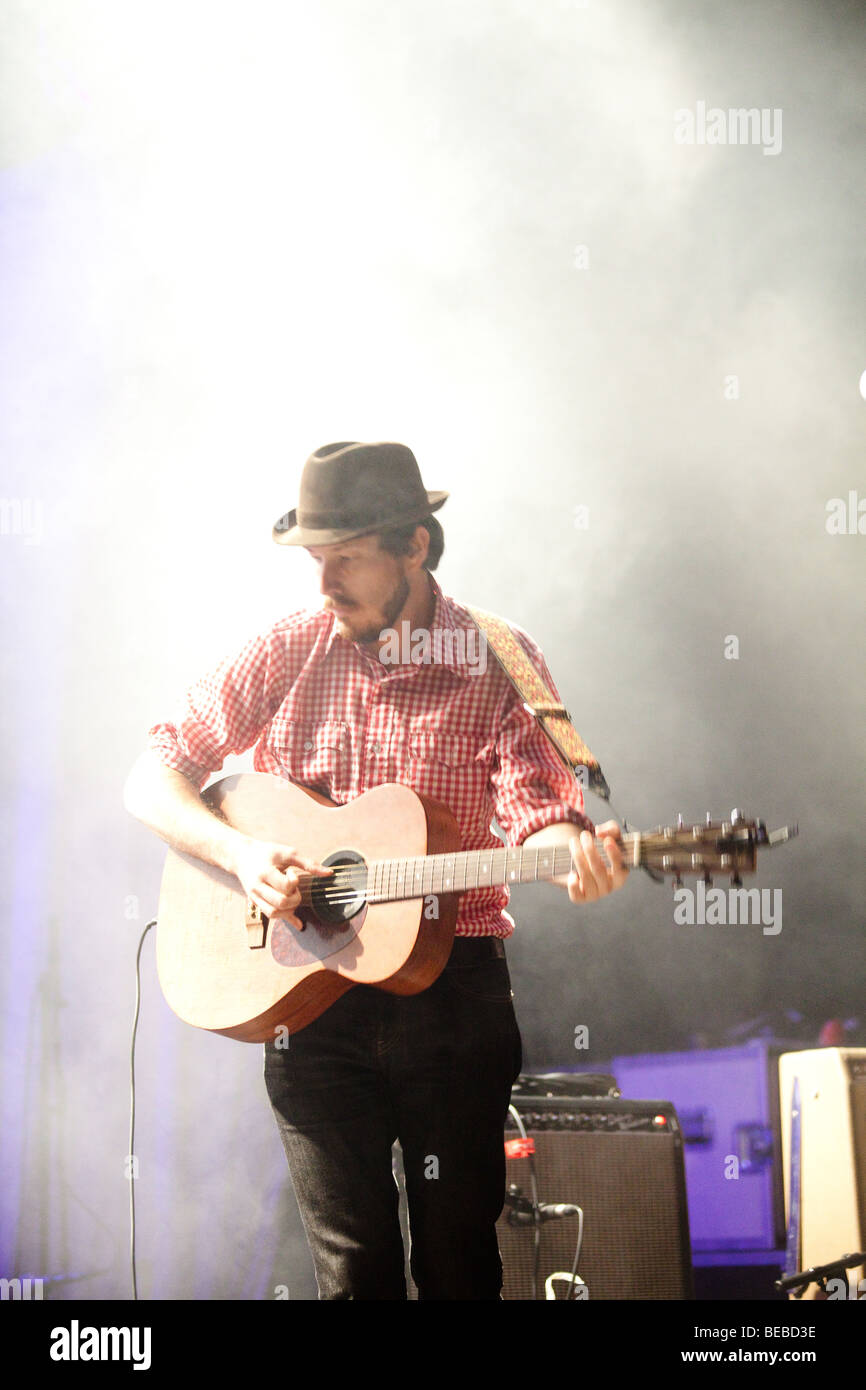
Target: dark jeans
x,y
434,1070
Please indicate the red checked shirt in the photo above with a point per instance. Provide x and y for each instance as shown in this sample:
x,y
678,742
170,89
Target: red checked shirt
x,y
325,713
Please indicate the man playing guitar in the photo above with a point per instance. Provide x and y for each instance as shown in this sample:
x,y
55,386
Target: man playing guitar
x,y
325,703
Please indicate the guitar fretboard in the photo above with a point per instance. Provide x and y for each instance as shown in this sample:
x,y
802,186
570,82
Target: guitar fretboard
x,y
389,880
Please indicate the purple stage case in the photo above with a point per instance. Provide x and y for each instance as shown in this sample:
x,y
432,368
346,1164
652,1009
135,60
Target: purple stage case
x,y
727,1102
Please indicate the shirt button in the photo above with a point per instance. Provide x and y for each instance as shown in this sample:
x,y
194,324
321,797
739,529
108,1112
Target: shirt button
x,y
376,747
308,745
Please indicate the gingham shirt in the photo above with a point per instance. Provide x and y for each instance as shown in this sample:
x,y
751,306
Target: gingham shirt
x,y
324,712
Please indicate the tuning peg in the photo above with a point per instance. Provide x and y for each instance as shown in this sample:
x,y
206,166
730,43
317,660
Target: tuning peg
x,y
680,821
737,817
709,818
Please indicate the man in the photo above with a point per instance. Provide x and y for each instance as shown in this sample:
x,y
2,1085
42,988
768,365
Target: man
x,y
329,704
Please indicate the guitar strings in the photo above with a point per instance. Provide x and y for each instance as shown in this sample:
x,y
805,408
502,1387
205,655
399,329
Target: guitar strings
x,y
349,880
353,871
353,881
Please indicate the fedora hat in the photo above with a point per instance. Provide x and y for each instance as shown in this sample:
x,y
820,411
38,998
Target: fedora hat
x,y
353,489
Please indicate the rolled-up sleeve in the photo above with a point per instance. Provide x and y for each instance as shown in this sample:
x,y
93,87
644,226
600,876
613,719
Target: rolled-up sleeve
x,y
533,786
224,711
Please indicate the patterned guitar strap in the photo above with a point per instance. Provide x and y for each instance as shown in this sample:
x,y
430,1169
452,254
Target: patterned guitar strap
x,y
537,696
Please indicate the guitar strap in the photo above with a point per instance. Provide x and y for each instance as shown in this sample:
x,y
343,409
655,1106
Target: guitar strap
x,y
552,716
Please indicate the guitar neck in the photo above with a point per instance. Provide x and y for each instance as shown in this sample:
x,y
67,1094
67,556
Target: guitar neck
x,y
727,847
390,880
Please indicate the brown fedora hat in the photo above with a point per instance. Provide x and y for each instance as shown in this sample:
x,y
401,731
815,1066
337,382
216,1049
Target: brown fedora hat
x,y
353,489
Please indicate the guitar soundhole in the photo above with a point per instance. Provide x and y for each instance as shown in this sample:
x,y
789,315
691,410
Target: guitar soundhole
x,y
341,897
335,918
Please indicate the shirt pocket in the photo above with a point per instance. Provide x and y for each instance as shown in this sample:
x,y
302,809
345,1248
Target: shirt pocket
x,y
447,767
315,753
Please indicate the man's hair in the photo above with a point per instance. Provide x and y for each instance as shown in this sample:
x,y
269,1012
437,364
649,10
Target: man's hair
x,y
396,540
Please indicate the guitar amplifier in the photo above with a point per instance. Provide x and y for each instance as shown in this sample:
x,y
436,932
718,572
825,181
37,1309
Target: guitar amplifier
x,y
621,1163
827,1160
727,1101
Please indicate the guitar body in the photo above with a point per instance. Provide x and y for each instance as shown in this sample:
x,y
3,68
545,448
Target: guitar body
x,y
225,969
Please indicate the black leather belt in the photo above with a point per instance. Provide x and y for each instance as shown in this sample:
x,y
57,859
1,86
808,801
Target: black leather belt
x,y
471,948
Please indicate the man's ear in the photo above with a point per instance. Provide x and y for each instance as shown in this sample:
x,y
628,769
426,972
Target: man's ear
x,y
419,545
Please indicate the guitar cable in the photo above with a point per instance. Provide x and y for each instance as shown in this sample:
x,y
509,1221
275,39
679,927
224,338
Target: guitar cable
x,y
573,1278
130,1158
533,1181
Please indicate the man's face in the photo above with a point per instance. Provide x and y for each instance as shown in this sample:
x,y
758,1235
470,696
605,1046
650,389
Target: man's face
x,y
364,586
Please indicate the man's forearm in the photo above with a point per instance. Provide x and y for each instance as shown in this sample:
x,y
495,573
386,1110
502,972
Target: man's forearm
x,y
169,804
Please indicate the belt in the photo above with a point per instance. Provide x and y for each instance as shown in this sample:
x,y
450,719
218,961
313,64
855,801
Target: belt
x,y
471,948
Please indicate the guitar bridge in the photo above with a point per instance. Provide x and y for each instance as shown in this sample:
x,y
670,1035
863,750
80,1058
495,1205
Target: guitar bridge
x,y
256,924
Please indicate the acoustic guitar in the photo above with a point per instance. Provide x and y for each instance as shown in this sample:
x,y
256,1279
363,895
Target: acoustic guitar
x,y
386,915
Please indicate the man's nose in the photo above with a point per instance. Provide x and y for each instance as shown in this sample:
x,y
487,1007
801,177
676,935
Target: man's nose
x,y
327,578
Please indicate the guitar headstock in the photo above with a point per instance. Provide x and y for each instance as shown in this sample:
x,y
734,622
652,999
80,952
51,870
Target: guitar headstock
x,y
716,847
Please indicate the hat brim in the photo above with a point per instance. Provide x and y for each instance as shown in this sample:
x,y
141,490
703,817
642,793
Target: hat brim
x,y
286,530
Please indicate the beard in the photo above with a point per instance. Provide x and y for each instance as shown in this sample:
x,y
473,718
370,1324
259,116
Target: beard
x,y
391,611
397,603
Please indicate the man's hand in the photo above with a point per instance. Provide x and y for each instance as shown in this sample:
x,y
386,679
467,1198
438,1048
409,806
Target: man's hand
x,y
590,877
269,875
